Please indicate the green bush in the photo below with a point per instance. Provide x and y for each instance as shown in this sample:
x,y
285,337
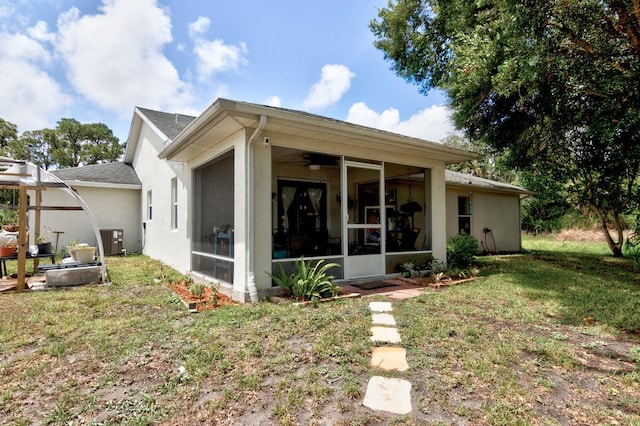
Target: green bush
x,y
460,251
308,282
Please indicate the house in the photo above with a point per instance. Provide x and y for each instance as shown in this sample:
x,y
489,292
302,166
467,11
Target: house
x,y
230,195
112,192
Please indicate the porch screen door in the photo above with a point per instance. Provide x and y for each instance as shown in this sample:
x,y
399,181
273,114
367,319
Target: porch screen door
x,y
363,185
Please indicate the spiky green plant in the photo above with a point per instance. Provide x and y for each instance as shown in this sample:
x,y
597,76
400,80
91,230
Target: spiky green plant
x,y
308,282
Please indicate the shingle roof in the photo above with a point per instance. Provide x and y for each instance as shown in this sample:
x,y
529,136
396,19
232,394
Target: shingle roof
x,y
169,124
456,178
117,173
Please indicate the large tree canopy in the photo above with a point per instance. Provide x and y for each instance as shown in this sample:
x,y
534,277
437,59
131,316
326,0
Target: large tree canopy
x,y
70,144
555,84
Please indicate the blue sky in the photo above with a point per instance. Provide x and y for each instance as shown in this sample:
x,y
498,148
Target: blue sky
x,y
96,60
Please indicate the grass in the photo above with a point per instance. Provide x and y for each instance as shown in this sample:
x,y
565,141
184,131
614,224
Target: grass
x,y
545,337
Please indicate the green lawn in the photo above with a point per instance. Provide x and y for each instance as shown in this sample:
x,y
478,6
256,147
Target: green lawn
x,y
551,336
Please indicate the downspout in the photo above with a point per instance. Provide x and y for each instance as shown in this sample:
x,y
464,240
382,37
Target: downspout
x,y
249,222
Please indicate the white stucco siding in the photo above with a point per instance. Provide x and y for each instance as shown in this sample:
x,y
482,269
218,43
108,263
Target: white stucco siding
x,y
112,208
499,212
160,241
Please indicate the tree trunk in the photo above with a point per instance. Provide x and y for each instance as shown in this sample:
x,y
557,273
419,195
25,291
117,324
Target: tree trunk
x,y
614,246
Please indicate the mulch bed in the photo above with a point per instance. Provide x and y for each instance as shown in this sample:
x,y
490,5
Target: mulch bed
x,y
206,302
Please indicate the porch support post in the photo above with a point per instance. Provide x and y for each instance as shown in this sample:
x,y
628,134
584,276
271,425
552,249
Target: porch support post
x,y
240,212
439,213
262,217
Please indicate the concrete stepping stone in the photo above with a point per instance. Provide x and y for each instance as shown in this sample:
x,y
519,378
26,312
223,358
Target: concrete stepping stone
x,y
405,294
388,394
380,306
383,319
390,358
385,334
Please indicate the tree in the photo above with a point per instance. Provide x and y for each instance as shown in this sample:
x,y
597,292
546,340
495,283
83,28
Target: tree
x,y
553,84
83,144
489,166
35,146
8,133
70,144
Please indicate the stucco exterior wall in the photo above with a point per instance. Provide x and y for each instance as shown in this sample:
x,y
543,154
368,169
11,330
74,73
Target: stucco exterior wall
x,y
498,212
112,208
159,240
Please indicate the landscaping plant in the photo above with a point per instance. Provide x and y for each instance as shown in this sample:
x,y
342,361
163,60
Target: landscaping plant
x,y
308,282
460,251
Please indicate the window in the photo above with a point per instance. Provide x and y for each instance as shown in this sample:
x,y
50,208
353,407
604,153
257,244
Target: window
x,y
149,209
302,228
464,215
174,203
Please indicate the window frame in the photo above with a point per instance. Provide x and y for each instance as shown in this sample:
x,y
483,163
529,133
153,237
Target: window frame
x,y
149,205
465,214
174,203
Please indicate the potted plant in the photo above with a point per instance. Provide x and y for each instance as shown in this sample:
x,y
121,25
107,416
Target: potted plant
x,y
71,248
7,246
81,252
44,241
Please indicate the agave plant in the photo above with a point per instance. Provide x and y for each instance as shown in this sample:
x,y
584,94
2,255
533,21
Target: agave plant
x,y
308,282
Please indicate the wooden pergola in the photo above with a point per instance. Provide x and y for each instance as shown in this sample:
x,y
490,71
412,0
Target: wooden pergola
x,y
26,177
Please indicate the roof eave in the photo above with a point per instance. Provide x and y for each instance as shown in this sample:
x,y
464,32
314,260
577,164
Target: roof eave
x,y
222,108
109,185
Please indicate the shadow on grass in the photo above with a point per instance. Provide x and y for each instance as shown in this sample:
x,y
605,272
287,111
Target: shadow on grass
x,y
588,288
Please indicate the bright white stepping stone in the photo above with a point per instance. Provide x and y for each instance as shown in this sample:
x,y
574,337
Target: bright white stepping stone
x,y
388,394
383,319
380,306
385,334
390,358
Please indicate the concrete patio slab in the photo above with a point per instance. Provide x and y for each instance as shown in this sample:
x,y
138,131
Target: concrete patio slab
x,y
391,395
383,319
380,306
385,334
390,358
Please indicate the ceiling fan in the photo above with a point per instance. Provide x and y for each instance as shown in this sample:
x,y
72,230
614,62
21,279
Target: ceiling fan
x,y
316,160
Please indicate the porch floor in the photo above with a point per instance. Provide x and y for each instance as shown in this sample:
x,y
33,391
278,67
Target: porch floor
x,y
394,288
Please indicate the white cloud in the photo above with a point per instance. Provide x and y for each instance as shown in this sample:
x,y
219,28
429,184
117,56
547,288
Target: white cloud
x,y
214,56
273,101
433,124
334,82
22,47
200,26
40,32
31,98
115,58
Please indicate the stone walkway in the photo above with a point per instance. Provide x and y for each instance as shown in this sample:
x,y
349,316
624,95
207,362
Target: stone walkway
x,y
383,393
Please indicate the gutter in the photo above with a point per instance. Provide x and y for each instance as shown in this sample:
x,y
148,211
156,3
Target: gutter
x,y
250,217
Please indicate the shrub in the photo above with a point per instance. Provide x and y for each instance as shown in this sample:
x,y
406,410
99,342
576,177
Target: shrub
x,y
308,282
460,251
197,290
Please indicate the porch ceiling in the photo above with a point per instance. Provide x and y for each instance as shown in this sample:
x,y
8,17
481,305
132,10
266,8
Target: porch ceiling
x,y
225,117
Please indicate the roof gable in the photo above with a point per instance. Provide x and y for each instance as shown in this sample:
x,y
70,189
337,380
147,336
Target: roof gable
x,y
169,124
